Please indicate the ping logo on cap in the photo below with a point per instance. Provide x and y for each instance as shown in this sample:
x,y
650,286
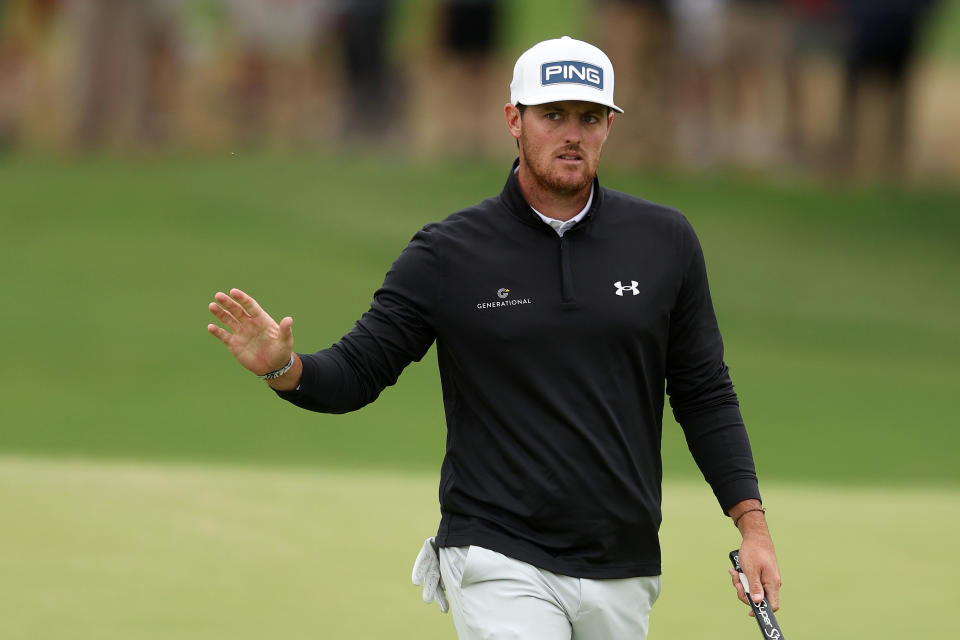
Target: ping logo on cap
x,y
572,72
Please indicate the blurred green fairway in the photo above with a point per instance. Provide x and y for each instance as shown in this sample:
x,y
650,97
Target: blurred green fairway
x,y
114,551
152,488
839,310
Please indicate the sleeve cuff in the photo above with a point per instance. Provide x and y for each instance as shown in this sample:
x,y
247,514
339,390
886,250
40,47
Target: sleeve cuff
x,y
308,378
730,493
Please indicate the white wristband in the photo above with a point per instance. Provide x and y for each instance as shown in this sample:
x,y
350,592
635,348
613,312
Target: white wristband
x,y
279,372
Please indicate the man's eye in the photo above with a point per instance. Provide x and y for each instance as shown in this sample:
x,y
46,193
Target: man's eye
x,y
591,119
553,115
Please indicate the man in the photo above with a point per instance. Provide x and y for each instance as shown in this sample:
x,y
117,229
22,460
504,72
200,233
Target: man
x,y
559,309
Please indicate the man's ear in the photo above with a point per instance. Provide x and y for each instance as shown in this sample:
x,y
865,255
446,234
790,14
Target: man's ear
x,y
609,123
514,119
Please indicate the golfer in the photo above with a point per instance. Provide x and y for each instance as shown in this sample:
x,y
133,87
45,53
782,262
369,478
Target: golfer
x,y
561,310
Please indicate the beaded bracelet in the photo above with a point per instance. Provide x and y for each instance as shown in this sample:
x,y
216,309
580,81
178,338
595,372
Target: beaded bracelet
x,y
279,372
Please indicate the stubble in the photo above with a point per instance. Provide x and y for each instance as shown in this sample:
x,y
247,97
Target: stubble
x,y
552,179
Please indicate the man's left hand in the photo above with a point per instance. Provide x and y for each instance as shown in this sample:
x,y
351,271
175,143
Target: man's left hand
x,y
757,557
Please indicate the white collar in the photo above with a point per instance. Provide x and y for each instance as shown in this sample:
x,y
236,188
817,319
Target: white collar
x,y
561,226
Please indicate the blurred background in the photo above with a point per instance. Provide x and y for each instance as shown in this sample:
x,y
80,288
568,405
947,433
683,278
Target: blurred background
x,y
848,87
153,152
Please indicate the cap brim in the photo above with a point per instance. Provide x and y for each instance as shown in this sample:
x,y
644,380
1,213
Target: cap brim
x,y
568,93
535,101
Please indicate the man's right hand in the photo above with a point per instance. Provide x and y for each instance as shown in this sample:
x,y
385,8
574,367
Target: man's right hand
x,y
254,338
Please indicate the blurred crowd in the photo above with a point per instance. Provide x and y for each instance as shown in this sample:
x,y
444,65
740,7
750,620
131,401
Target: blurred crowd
x,y
801,83
822,84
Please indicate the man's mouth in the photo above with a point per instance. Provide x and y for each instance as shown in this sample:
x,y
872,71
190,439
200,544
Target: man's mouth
x,y
571,157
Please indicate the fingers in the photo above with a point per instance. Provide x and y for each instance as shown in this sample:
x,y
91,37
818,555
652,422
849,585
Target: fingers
x,y
771,587
286,329
231,306
250,333
237,307
756,585
759,564
770,583
248,304
223,315
741,594
220,333
735,578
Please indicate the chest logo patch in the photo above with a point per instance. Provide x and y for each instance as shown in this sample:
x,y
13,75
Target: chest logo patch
x,y
504,300
632,288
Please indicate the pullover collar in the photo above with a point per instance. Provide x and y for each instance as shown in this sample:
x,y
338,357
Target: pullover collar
x,y
512,199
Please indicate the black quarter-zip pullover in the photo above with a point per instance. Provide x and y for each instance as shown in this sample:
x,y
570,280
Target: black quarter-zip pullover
x,y
553,354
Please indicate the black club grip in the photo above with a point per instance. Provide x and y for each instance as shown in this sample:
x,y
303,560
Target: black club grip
x,y
769,627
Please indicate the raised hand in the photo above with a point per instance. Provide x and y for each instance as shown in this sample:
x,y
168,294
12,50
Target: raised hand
x,y
252,335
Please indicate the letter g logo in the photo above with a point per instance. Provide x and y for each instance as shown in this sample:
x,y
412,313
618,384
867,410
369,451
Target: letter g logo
x,y
503,293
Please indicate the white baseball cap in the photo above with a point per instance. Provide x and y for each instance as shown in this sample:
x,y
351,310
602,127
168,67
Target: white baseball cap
x,y
563,69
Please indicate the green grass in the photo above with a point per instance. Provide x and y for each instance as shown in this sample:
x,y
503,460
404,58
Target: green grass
x,y
118,550
838,308
943,31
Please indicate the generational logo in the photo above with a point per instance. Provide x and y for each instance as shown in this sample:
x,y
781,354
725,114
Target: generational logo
x,y
504,300
573,72
633,287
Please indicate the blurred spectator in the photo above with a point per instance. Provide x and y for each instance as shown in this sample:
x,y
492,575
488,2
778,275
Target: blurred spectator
x,y
9,80
372,87
271,36
126,60
813,49
881,40
459,71
699,28
707,82
25,26
638,37
470,27
752,93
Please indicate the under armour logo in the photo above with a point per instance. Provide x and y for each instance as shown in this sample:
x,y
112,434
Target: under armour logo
x,y
632,287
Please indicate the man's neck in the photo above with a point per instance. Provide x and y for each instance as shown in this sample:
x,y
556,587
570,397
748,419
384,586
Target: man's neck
x,y
559,206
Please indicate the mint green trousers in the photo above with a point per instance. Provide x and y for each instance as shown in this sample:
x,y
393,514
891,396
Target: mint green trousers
x,y
493,597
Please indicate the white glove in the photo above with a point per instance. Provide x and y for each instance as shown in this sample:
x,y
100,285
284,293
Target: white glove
x,y
426,572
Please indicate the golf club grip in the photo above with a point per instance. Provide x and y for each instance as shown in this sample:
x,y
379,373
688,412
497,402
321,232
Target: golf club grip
x,y
769,627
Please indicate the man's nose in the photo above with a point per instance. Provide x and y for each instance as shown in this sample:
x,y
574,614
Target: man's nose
x,y
572,133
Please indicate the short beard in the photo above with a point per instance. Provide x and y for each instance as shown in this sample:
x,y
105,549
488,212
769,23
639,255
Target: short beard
x,y
549,182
